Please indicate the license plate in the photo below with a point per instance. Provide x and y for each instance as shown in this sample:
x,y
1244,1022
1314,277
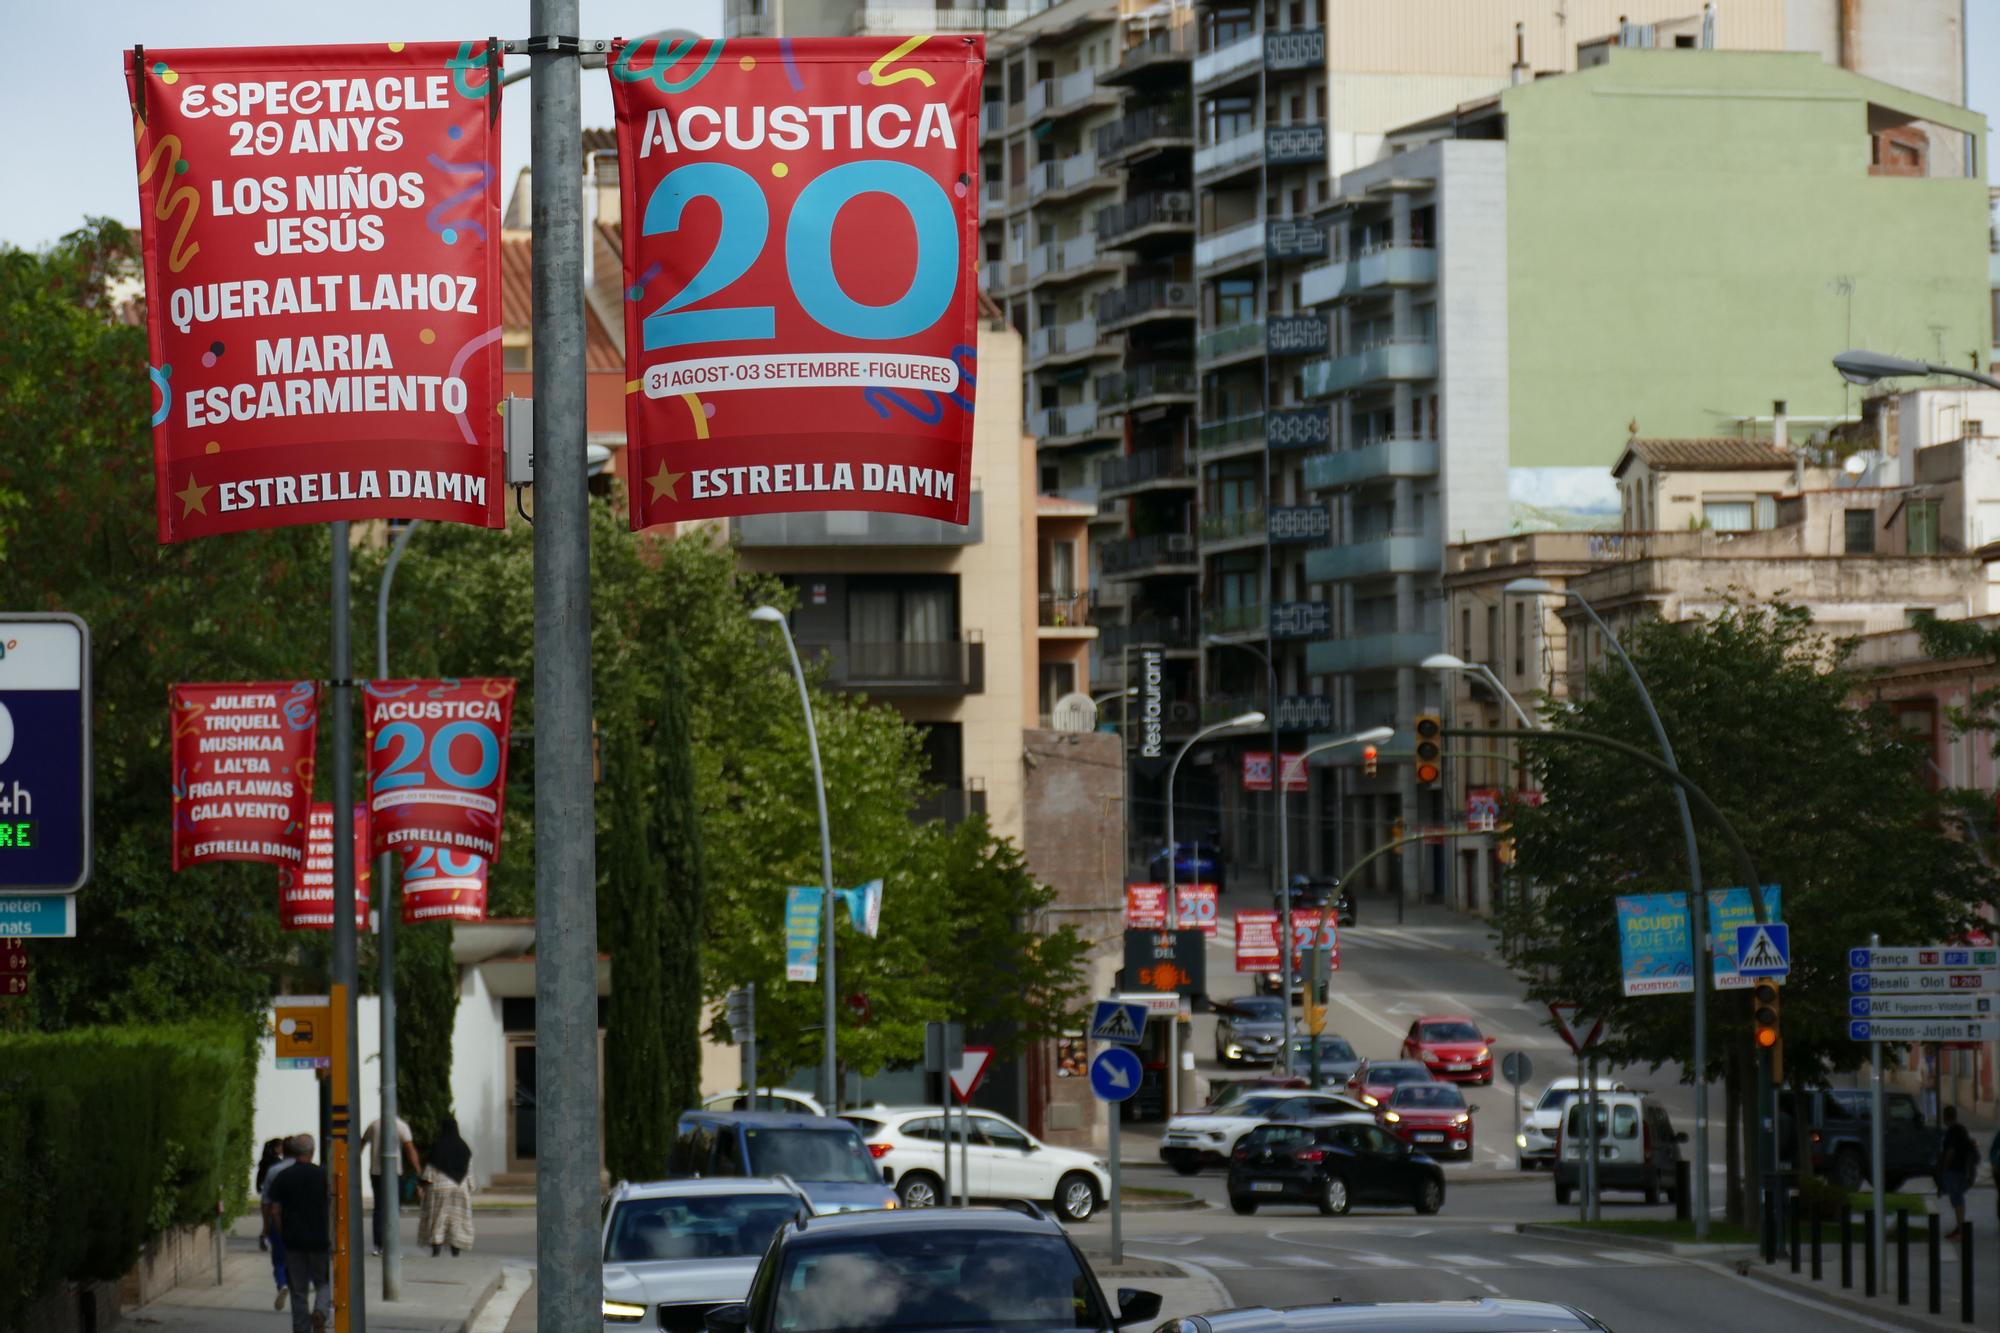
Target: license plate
x,y
1430,1138
1266,1186
1458,1066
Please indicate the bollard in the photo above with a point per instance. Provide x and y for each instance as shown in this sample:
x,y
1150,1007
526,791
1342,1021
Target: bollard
x,y
1936,1260
1902,1256
1868,1253
1965,1274
1847,1245
1815,1246
1683,1191
1769,1224
1793,1203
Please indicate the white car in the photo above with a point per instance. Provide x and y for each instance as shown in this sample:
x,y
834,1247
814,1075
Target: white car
x,y
1535,1145
789,1100
675,1249
1004,1160
1202,1138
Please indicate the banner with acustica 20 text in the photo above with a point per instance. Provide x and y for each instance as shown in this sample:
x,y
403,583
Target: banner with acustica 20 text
x,y
322,261
437,763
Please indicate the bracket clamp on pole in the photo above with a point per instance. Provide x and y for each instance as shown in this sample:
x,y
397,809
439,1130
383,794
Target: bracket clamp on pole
x,y
545,44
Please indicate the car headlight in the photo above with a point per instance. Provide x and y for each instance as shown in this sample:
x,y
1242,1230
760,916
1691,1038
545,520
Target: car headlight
x,y
1461,1119
1233,1051
1372,1101
1484,1054
1392,1117
624,1312
1520,1140
893,1203
1433,1058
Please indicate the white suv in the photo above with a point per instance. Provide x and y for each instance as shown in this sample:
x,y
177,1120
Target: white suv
x,y
676,1249
1535,1145
1004,1160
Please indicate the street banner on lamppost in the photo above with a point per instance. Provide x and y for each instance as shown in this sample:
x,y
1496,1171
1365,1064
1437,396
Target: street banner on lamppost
x,y
437,763
443,886
322,262
801,223
305,892
243,771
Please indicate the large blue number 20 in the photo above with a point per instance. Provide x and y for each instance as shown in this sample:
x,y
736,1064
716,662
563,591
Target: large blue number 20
x,y
436,862
808,253
411,738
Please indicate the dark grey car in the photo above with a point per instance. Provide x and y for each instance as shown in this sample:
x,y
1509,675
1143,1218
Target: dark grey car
x,y
1249,1029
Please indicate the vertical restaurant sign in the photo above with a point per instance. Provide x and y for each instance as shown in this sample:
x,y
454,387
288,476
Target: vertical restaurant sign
x,y
437,763
305,893
243,771
801,230
321,234
443,886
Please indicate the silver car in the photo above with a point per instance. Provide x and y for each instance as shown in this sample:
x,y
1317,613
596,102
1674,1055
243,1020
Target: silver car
x,y
676,1249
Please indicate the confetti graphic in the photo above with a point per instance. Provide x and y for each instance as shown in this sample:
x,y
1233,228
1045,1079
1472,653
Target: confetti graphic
x,y
873,74
663,61
435,219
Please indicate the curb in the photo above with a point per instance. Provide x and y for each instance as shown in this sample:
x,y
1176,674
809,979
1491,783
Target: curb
x,y
1164,1205
1644,1244
1847,1300
480,1302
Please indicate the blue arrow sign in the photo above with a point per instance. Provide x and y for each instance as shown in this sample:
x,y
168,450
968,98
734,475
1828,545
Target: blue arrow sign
x,y
1764,950
1115,1073
1116,1021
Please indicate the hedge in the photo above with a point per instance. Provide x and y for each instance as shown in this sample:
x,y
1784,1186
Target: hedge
x,y
109,1136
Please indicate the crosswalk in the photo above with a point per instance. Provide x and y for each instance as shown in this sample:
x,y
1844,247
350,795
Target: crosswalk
x,y
1343,1259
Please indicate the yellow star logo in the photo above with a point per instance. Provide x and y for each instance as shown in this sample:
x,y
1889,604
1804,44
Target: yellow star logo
x,y
194,500
665,483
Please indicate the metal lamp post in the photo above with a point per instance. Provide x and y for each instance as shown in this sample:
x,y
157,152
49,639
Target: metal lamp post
x,y
1241,722
828,1079
1452,662
1697,907
1859,367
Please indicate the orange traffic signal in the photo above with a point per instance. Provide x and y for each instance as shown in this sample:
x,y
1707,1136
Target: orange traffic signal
x,y
1368,761
1430,749
1764,1013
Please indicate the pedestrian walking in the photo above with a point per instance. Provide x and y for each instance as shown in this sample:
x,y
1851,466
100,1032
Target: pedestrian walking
x,y
446,1219
299,1209
275,1159
371,1143
1993,1162
274,1153
1958,1165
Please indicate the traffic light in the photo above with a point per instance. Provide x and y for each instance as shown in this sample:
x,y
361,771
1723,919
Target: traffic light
x,y
1430,749
1764,1013
1368,761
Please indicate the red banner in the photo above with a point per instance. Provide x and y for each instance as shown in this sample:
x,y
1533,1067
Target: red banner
x,y
437,763
1315,930
321,231
1257,941
1257,771
443,886
243,766
305,895
1145,907
1198,908
815,200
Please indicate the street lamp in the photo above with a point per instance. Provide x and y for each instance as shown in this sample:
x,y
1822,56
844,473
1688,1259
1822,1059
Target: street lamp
x,y
1697,907
1861,367
1241,722
828,1087
1452,662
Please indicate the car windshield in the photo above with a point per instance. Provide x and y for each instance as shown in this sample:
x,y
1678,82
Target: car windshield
x,y
1557,1098
1438,1095
811,1154
1260,1104
1257,1008
1453,1031
708,1226
1393,1074
935,1280
1330,1048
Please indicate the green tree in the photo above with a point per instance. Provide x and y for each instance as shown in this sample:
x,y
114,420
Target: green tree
x,y
1827,796
679,893
637,1120
426,1011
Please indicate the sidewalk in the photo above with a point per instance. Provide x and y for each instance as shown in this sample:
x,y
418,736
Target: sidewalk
x,y
439,1295
1185,1289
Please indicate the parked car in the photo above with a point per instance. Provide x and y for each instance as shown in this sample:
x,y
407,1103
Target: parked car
x,y
1337,1059
768,1099
824,1155
1535,1145
675,1249
1250,1029
1204,1137
1431,1117
1637,1148
1839,1125
1451,1047
1004,1160
1195,862
1332,1164
1490,1314
1373,1081
972,1268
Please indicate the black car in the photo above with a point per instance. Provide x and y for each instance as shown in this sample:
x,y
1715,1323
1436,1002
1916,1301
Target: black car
x,y
1840,1133
1196,862
912,1272
1333,1164
1488,1315
1316,895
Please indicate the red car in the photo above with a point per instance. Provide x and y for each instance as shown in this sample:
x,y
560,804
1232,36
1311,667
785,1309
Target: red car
x,y
1375,1081
1452,1048
1431,1117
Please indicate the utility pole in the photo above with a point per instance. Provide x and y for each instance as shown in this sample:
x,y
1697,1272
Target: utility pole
x,y
568,1274
346,972
388,1140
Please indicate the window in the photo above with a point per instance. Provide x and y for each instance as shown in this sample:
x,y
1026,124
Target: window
x,y
1000,1134
1520,637
1235,302
1465,634
1729,515
709,1226
1493,636
1923,527
940,1277
1624,1121
1058,679
1860,532
1227,117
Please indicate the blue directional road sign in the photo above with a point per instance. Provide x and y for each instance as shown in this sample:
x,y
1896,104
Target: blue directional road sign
x,y
1115,1073
44,753
1764,950
43,917
1116,1021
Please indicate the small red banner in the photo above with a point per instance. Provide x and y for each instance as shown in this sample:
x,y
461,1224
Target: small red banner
x,y
1257,771
243,766
1145,907
1315,930
443,886
1257,941
305,894
437,763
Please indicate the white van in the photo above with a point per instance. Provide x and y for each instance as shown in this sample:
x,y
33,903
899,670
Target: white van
x,y
1637,1148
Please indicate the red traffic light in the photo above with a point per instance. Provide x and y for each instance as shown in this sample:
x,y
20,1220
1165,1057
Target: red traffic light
x,y
1368,761
1427,773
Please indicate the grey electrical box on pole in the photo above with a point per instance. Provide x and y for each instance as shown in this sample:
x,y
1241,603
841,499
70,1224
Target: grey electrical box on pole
x,y
519,417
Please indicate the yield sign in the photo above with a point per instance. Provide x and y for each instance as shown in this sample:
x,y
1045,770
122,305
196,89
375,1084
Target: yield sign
x,y
971,1069
1569,1024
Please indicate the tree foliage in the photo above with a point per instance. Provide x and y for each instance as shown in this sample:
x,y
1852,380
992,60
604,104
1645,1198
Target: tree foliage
x,y
637,1121
680,890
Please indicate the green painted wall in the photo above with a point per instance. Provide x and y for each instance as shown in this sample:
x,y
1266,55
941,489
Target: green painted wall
x,y
1694,234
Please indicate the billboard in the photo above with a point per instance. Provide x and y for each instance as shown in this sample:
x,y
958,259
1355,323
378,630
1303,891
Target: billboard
x,y
437,763
1257,771
305,891
443,886
801,253
321,235
1654,948
243,771
1257,941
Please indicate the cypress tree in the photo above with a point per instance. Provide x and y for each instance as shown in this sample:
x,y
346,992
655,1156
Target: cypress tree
x,y
683,886
426,1010
638,1119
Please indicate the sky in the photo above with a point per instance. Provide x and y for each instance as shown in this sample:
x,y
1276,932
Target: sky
x,y
71,154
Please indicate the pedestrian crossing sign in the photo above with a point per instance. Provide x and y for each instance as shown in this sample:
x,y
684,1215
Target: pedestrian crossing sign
x,y
1764,950
1118,1022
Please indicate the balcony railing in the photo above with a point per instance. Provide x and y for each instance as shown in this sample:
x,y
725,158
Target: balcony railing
x,y
1065,256
1241,239
951,803
1072,419
1148,465
1161,208
1231,432
1234,619
1241,54
1055,96
1384,266
993,194
993,117
1230,526
1369,652
1301,620
1402,359
1122,388
1144,297
1139,554
1217,343
1149,125
749,25
992,275
874,19
953,666
1079,335
1169,45
1230,152
1065,610
1376,460
1115,639
1374,557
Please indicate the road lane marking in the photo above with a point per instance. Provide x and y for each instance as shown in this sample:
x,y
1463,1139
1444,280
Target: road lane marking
x,y
1633,1257
1554,1260
1466,1261
1303,1261
1375,1260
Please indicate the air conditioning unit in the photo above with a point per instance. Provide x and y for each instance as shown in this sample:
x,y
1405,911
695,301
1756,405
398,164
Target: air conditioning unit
x,y
1181,199
1179,293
